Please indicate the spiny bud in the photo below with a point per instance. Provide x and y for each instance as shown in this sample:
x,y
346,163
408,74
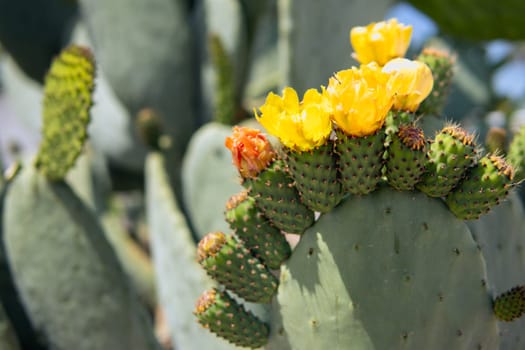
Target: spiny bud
x,y
441,64
257,233
227,261
222,315
484,187
510,305
406,157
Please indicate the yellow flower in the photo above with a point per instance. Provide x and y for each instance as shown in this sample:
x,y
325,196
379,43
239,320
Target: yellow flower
x,y
300,126
411,81
360,99
380,42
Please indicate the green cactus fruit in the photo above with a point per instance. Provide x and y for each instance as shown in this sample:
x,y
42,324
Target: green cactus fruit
x,y
223,316
511,304
406,158
516,154
68,92
360,161
230,263
264,240
496,139
278,199
441,63
316,177
451,154
485,186
365,277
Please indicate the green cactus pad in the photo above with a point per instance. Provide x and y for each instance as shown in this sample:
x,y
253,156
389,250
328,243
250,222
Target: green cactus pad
x,y
264,240
451,154
360,161
222,315
486,185
230,263
67,274
441,63
68,92
316,177
390,270
510,305
406,158
516,153
278,199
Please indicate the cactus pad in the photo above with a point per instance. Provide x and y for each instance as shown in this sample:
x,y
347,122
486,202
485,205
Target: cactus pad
x,y
451,154
487,183
365,277
264,240
68,92
316,177
222,315
227,261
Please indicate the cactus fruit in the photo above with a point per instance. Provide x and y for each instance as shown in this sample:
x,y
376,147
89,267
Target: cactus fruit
x,y
511,304
451,154
67,101
360,161
268,181
486,184
406,158
441,64
256,232
516,153
496,140
229,262
316,177
222,315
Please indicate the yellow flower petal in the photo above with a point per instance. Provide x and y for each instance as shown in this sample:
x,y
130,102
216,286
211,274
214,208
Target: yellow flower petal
x,y
412,82
360,99
380,42
300,126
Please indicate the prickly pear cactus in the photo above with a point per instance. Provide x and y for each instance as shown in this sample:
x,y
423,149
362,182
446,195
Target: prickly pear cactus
x,y
61,262
393,264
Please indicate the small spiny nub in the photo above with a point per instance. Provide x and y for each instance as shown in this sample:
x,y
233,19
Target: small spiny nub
x,y
206,300
412,137
236,199
510,305
459,133
210,245
502,166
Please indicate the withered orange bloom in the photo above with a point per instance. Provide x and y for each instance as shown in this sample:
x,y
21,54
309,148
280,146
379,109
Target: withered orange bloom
x,y
251,151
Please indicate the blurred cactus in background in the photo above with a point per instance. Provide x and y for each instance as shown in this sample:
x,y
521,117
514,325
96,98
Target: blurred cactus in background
x,y
365,214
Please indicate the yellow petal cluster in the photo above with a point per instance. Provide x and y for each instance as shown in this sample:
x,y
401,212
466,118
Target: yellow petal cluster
x,y
380,41
411,81
300,126
360,99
